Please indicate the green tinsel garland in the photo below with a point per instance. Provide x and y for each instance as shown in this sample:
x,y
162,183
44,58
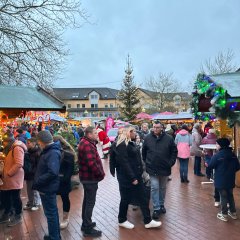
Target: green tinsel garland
x,y
205,85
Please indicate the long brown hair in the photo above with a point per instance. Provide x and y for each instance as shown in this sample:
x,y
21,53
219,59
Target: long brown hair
x,y
65,145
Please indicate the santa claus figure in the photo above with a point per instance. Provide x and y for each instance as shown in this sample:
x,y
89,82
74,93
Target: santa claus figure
x,y
104,143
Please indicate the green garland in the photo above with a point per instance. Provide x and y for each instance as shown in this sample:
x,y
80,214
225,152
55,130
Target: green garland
x,y
218,95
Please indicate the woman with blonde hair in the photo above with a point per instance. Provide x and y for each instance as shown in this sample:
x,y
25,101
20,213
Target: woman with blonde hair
x,y
129,174
69,157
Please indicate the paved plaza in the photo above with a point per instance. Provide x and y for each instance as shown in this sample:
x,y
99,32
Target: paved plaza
x,y
190,215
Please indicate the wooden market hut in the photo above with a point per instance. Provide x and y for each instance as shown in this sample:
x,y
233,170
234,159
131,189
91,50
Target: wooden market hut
x,y
16,100
218,96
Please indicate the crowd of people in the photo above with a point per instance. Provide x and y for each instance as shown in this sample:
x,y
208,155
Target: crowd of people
x,y
140,160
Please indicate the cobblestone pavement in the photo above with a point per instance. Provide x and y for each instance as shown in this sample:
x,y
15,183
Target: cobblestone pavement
x,y
190,215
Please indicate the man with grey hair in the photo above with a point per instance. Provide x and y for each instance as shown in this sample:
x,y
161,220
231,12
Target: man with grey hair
x,y
196,151
46,181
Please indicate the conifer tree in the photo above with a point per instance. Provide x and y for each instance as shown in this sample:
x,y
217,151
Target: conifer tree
x,y
128,95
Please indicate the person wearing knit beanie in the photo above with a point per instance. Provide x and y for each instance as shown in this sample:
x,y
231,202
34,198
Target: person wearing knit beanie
x,y
44,138
226,164
46,181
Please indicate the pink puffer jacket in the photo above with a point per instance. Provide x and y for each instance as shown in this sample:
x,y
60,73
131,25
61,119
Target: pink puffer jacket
x,y
13,173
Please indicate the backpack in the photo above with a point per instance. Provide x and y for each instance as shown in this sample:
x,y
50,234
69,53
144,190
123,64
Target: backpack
x,y
27,165
75,169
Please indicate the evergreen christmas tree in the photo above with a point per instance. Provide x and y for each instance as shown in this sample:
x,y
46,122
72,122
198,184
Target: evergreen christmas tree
x,y
128,95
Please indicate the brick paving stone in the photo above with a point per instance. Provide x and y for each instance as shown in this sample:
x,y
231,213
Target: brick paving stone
x,y
190,215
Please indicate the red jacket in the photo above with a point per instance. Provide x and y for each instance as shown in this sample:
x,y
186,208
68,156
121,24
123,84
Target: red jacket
x,y
90,164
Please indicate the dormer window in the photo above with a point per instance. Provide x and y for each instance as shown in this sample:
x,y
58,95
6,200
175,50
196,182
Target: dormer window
x,y
105,96
94,96
75,95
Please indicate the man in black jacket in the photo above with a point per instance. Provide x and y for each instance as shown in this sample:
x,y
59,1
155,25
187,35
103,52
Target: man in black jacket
x,y
159,153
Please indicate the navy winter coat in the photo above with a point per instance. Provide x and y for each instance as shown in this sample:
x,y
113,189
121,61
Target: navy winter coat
x,y
159,154
46,179
226,165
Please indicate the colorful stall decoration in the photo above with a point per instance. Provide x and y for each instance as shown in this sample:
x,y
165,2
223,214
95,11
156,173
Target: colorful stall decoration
x,y
221,106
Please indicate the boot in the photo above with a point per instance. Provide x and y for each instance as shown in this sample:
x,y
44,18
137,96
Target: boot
x,y
65,221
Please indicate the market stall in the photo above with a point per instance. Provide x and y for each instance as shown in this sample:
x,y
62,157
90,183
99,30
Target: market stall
x,y
19,102
217,98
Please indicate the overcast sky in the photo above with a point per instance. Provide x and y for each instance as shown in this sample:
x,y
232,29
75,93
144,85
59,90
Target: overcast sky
x,y
160,36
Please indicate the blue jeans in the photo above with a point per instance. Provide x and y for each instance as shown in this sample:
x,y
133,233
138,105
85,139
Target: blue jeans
x,y
184,168
49,203
158,190
197,165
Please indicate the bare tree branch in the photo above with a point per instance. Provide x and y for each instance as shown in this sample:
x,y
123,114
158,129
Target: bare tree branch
x,y
222,63
164,83
32,48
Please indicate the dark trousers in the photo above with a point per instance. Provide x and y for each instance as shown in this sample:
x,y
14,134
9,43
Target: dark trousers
x,y
184,168
197,165
49,203
66,202
226,196
12,201
209,171
89,199
127,193
216,195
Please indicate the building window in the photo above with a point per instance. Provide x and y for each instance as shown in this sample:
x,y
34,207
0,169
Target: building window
x,y
83,105
106,105
78,105
111,105
69,106
94,96
94,105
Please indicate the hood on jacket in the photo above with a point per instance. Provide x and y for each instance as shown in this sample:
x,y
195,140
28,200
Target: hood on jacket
x,y
183,132
21,144
54,145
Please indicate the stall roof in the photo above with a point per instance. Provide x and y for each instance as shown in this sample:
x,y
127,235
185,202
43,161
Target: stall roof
x,y
28,98
179,116
229,81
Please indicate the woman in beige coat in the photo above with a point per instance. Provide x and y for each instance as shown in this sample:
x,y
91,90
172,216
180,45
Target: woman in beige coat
x,y
13,177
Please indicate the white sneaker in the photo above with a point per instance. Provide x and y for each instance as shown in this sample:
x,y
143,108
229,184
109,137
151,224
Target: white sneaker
x,y
126,224
64,224
222,217
216,204
232,215
35,208
153,224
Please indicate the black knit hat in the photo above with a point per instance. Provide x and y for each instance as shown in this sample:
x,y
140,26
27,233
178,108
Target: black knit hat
x,y
223,142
